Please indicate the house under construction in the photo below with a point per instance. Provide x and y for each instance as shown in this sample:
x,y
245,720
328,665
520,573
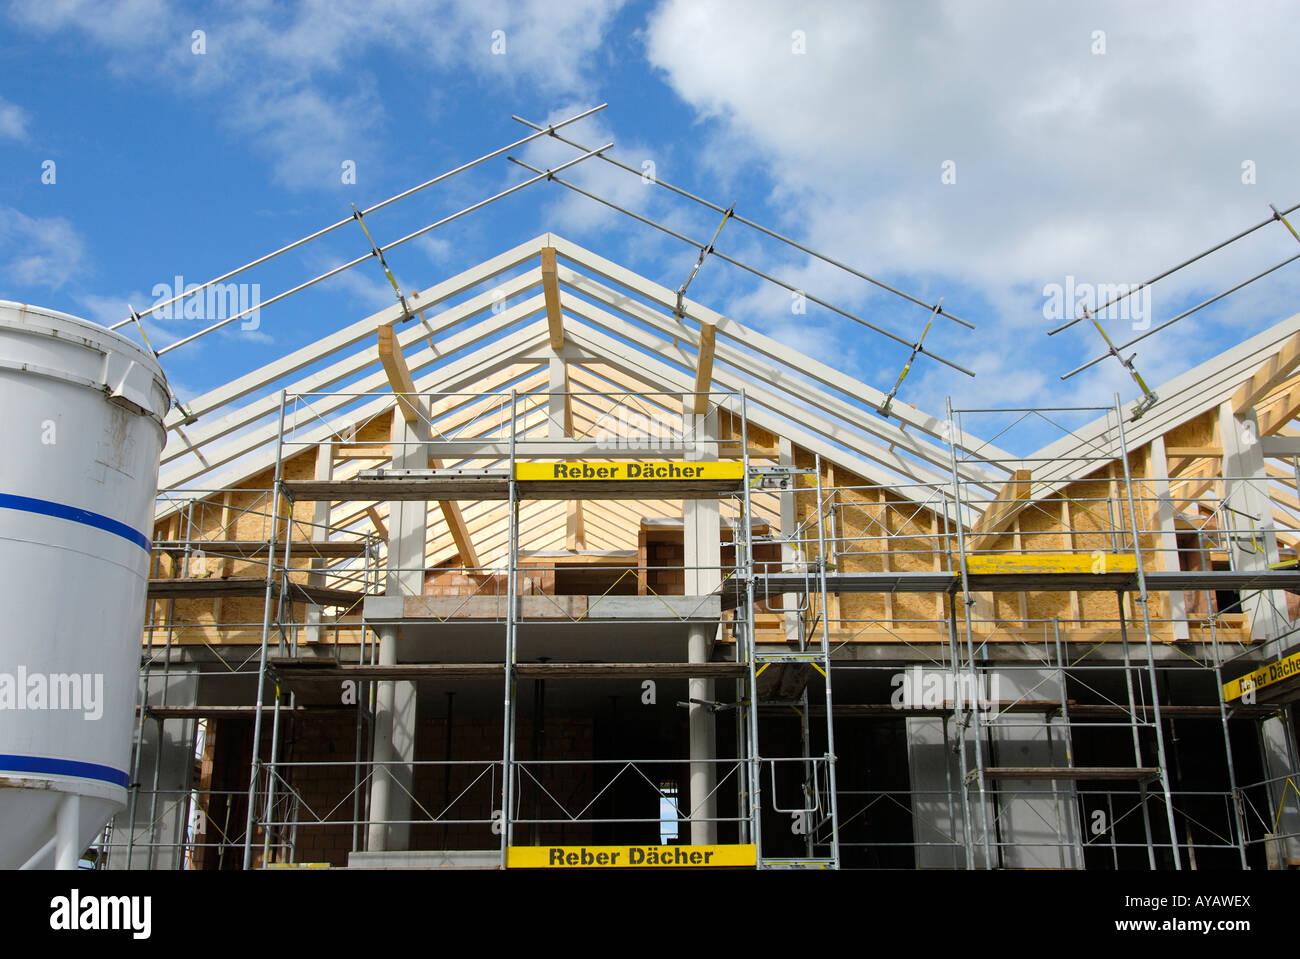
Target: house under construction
x,y
547,563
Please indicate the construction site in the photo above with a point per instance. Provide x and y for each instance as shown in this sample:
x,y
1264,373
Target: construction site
x,y
550,565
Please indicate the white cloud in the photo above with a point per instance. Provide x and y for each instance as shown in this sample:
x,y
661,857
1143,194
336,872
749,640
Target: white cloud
x,y
1055,148
108,310
39,252
1107,167
126,24
13,121
293,80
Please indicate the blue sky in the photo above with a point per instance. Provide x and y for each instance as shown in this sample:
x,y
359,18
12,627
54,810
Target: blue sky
x,y
1103,142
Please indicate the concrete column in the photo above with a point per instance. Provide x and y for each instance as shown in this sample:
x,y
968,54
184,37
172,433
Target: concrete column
x,y
395,701
1243,457
555,398
1168,538
702,537
935,794
390,787
320,519
790,554
1037,821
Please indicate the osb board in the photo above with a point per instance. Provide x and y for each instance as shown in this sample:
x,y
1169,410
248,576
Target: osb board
x,y
378,430
877,531
246,520
1202,430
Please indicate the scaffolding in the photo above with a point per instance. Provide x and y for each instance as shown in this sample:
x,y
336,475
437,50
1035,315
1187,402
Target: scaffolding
x,y
779,608
929,571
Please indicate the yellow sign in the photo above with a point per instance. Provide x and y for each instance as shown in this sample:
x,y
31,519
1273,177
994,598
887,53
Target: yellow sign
x,y
629,470
1267,676
614,857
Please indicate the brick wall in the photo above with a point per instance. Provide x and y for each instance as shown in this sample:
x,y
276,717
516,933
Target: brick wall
x,y
456,582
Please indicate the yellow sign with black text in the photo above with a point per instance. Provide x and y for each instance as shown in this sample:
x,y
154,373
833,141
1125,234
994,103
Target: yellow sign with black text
x,y
629,857
632,470
1265,676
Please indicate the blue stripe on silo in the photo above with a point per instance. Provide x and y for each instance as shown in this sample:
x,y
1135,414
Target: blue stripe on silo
x,y
28,504
63,767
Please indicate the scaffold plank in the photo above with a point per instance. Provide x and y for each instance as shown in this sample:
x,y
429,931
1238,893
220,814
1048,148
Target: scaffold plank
x,y
252,549
235,712
308,671
773,584
405,489
1090,563
214,587
1075,773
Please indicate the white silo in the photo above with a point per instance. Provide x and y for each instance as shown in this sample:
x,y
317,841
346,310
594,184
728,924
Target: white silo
x,y
81,412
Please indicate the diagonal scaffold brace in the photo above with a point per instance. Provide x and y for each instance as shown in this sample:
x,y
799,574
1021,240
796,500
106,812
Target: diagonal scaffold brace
x,y
1149,398
916,348
187,415
1284,221
376,251
680,311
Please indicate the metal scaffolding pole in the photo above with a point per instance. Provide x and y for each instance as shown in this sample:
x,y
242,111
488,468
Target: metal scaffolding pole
x,y
1186,313
266,629
1133,722
826,674
508,772
1238,827
545,174
746,574
959,732
1174,269
280,617
750,223
1143,599
967,602
744,266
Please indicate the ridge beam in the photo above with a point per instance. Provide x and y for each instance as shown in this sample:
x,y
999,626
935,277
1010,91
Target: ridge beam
x,y
399,375
551,292
704,367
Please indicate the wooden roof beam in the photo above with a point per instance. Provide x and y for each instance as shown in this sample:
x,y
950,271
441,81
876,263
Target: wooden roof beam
x,y
456,523
399,377
704,367
1281,412
551,293
377,522
1273,373
1011,499
399,374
